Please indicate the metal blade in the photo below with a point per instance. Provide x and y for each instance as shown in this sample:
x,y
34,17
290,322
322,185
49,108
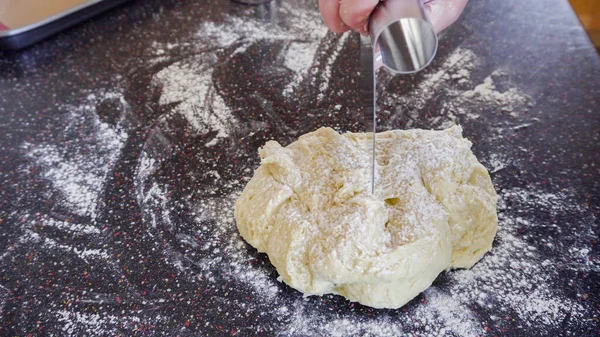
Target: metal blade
x,y
367,93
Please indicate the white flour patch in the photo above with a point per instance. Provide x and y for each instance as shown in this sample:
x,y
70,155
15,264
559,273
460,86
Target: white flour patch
x,y
300,56
326,74
441,315
189,83
306,323
515,274
67,231
78,184
73,228
580,259
29,236
299,24
146,166
74,323
487,92
451,316
261,284
302,29
80,178
496,163
84,254
457,66
221,212
457,96
4,295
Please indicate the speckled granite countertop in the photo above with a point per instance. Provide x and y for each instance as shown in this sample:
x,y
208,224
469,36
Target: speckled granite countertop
x,y
125,141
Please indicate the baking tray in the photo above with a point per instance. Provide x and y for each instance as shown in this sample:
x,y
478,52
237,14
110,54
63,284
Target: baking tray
x,y
25,22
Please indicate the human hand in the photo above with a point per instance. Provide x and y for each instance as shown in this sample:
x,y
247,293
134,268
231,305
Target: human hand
x,y
343,15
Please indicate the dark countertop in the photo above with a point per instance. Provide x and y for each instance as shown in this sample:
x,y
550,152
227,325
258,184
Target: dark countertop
x,y
125,140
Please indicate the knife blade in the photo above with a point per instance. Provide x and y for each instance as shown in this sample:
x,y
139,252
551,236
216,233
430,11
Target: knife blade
x,y
367,93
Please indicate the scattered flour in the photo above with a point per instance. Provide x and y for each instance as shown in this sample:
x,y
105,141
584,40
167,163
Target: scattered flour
x,y
458,99
516,275
80,178
496,163
78,184
65,231
80,323
189,83
224,254
86,254
488,92
326,74
304,29
303,26
73,228
300,56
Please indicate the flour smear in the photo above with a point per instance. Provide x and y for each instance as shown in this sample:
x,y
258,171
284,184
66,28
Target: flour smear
x,y
80,178
457,94
190,84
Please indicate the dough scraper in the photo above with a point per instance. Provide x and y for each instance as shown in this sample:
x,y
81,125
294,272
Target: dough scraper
x,y
402,38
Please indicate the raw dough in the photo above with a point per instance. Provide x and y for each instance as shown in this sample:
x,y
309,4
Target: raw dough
x,y
309,208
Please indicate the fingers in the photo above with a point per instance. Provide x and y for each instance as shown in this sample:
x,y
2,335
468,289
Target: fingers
x,y
330,10
355,13
343,15
443,13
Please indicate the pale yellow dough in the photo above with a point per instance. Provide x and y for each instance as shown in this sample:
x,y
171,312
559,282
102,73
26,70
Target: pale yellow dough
x,y
309,207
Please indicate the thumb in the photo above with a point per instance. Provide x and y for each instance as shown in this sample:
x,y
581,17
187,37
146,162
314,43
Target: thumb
x,y
443,13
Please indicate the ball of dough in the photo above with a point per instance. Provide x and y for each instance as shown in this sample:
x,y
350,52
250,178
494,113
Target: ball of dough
x,y
309,207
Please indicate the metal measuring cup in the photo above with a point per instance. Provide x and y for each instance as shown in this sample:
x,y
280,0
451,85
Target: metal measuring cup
x,y
402,35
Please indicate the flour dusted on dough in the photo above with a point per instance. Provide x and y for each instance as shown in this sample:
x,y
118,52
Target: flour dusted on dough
x,y
309,208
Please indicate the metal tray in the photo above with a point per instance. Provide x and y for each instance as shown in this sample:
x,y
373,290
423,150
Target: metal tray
x,y
25,22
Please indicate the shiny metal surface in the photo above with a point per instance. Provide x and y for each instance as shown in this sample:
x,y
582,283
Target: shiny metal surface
x,y
403,35
367,93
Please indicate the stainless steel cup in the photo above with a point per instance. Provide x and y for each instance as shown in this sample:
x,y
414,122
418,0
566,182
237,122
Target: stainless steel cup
x,y
403,35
